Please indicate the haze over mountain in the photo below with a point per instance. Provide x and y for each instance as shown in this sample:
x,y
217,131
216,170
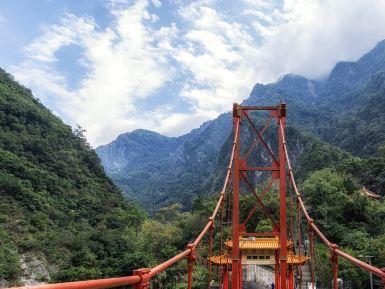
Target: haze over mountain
x,y
345,110
156,80
62,219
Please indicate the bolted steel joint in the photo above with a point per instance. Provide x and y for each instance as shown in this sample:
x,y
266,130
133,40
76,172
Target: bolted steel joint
x,y
211,220
144,274
333,247
191,257
236,110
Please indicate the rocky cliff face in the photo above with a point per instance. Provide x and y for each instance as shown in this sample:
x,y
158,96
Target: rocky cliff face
x,y
158,170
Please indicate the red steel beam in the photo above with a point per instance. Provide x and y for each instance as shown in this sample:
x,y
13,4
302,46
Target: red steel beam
x,y
89,284
161,267
259,201
254,209
262,169
256,141
235,212
260,137
282,193
380,273
253,107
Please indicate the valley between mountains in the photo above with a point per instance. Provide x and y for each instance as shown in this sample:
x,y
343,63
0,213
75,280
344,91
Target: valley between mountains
x,y
69,212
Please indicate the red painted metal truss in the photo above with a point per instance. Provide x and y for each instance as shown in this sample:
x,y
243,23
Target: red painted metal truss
x,y
238,170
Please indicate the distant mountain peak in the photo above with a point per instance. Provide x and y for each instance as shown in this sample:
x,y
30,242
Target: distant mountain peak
x,y
349,76
379,49
141,131
291,77
157,170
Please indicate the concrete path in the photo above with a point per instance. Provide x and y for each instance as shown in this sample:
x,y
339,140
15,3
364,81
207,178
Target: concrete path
x,y
253,285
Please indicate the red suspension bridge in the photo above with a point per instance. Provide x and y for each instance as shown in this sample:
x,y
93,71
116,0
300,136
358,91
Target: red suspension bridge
x,y
289,253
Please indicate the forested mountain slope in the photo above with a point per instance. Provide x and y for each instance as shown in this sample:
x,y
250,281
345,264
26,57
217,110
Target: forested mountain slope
x,y
344,110
60,216
158,170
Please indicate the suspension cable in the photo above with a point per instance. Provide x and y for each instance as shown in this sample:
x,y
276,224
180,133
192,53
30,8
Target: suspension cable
x,y
221,242
211,235
310,221
291,213
299,240
311,253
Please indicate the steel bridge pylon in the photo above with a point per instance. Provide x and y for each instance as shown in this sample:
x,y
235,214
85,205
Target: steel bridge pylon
x,y
237,170
278,172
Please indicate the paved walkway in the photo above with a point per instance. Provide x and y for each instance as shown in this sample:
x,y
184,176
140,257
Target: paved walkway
x,y
253,285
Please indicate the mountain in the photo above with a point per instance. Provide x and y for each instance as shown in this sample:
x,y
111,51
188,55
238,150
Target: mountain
x,y
61,217
344,110
158,170
360,129
348,78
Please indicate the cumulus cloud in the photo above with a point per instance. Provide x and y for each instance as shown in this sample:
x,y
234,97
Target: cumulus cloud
x,y
309,37
207,56
214,51
124,64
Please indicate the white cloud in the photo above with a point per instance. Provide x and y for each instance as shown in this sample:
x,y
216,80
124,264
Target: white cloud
x,y
312,36
215,53
70,31
123,63
218,56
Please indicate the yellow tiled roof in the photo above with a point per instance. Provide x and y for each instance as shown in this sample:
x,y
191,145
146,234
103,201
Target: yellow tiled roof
x,y
226,260
295,259
257,243
220,260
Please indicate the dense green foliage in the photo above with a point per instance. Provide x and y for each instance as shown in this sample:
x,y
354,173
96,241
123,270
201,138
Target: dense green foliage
x,y
360,130
58,206
347,218
56,202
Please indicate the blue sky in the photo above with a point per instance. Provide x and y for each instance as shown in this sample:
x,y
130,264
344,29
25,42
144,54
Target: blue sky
x,y
113,66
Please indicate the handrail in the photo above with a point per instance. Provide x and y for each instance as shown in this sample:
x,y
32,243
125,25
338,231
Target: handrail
x,y
135,279
161,267
333,247
89,284
145,274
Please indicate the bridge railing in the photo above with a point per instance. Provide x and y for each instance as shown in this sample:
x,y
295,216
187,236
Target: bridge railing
x,y
334,249
142,277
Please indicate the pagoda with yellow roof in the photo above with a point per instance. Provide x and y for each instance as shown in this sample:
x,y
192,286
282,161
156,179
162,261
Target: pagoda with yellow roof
x,y
258,251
